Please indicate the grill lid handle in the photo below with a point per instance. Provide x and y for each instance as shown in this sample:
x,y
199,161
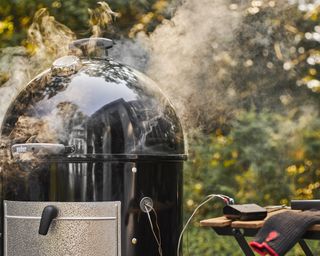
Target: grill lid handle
x,y
48,214
92,47
40,149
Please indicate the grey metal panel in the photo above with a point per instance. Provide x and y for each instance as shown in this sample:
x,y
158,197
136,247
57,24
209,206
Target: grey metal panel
x,y
81,228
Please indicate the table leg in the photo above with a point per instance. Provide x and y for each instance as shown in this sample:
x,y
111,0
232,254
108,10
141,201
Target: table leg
x,y
242,242
305,247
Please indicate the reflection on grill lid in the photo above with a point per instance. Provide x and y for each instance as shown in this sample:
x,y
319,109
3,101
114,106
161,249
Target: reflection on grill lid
x,y
105,109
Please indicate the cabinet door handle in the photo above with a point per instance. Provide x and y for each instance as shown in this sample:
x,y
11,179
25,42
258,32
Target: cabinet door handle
x,y
48,214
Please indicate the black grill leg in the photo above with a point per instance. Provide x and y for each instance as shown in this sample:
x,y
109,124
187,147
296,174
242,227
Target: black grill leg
x,y
242,242
305,248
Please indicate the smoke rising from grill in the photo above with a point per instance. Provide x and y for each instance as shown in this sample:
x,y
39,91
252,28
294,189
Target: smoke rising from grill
x,y
185,54
131,52
100,18
211,56
195,55
48,40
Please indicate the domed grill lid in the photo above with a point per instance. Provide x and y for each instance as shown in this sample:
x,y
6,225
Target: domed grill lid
x,y
104,110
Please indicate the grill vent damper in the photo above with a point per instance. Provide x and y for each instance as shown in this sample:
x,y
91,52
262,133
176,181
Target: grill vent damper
x,y
81,147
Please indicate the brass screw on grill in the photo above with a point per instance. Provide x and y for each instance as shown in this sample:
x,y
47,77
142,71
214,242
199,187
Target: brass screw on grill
x,y
134,241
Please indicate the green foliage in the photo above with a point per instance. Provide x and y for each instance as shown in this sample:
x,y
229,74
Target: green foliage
x,y
251,164
274,62
136,15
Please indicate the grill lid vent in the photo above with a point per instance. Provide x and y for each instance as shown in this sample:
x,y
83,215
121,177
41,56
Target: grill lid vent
x,y
66,66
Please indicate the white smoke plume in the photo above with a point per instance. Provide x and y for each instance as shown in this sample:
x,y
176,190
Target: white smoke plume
x,y
131,52
100,18
49,39
200,63
186,52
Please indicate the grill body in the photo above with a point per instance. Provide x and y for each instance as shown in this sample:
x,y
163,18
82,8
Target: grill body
x,y
101,133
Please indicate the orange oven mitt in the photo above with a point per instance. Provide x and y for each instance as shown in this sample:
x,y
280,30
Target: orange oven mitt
x,y
282,231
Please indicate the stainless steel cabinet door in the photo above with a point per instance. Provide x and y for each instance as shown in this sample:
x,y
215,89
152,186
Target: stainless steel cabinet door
x,y
89,228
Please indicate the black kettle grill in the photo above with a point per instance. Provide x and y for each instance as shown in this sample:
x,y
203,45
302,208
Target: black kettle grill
x,y
89,131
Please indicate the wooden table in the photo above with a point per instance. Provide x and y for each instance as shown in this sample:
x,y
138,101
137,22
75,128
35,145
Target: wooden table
x,y
240,229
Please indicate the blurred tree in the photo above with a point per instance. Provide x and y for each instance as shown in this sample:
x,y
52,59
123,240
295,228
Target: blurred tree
x,y
272,57
254,164
136,15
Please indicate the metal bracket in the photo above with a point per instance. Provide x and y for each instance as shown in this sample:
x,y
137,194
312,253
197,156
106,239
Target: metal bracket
x,y
305,248
242,242
240,238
